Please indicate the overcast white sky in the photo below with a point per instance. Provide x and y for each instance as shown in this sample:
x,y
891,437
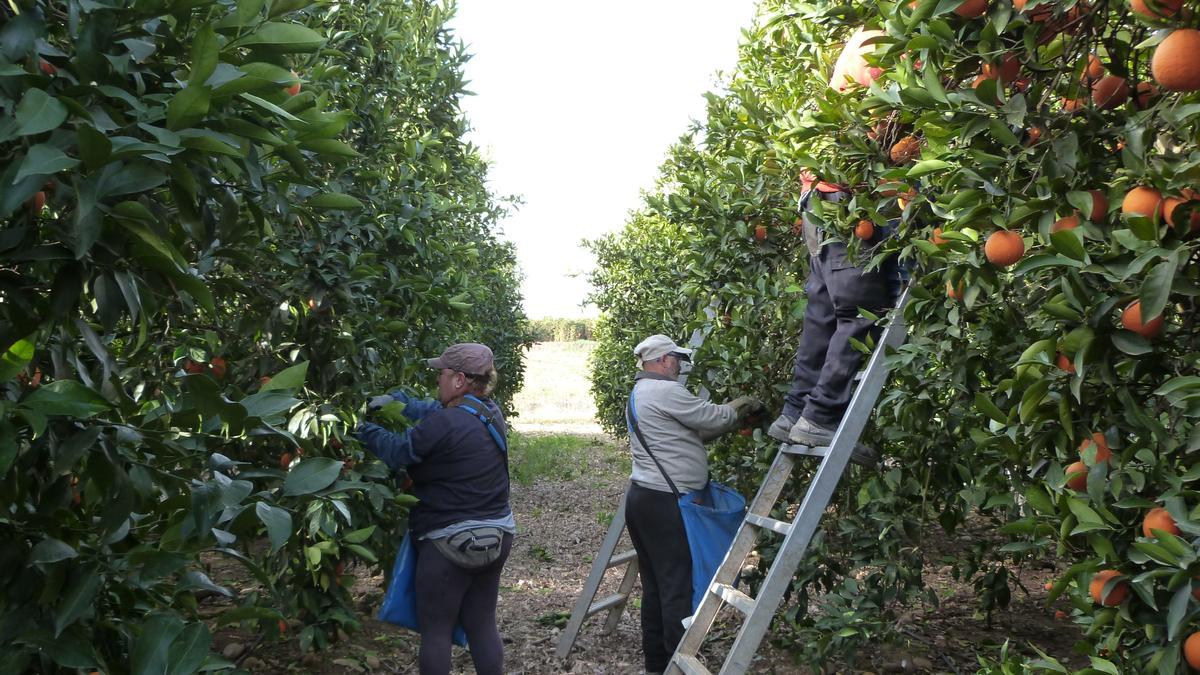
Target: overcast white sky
x,y
576,104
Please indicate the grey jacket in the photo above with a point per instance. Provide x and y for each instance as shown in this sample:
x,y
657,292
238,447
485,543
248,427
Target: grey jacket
x,y
676,423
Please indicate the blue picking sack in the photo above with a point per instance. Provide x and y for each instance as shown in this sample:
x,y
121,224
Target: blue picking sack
x,y
400,601
711,518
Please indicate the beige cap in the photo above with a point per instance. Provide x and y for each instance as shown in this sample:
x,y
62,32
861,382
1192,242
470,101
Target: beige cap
x,y
471,358
658,345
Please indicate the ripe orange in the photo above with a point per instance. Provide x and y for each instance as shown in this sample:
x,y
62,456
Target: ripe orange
x,y
1006,71
1066,223
1131,319
282,626
1110,92
1174,62
1093,71
295,88
1074,105
1169,206
937,237
285,460
1004,247
1162,8
1049,585
745,432
1103,454
956,293
47,67
1060,615
1077,474
1142,201
1145,95
864,230
1099,205
1116,596
1040,13
1191,650
1033,134
193,368
972,9
760,232
218,367
37,202
905,150
1157,518
1065,364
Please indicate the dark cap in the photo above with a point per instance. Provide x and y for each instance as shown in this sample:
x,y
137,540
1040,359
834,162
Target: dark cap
x,y
471,358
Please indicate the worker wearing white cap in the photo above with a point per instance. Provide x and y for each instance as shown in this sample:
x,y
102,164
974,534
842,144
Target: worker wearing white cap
x,y
675,424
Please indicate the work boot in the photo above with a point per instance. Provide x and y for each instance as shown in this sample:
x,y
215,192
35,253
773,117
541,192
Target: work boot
x,y
806,432
781,427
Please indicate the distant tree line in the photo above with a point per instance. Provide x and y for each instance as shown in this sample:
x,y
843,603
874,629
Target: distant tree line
x,y
562,330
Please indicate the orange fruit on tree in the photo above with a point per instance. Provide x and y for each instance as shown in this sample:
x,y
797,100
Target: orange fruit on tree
x,y
218,367
864,230
1004,247
295,87
1060,615
955,292
1033,134
760,232
1103,453
1174,62
1049,585
1065,364
1116,596
1094,70
1157,518
972,9
1099,205
938,238
1161,8
1142,201
1145,94
285,460
1077,475
47,67
905,150
1109,92
37,202
1066,223
1074,105
1191,650
1131,319
1006,71
1041,12
1169,206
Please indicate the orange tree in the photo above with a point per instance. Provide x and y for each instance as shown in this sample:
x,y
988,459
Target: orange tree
x,y
221,226
1036,163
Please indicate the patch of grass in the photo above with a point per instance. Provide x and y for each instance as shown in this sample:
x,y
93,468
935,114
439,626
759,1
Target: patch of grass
x,y
557,457
539,553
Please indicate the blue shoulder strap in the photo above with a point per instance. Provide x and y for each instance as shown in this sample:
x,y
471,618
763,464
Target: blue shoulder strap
x,y
487,422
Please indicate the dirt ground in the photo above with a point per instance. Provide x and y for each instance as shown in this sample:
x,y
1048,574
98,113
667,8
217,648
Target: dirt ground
x,y
562,523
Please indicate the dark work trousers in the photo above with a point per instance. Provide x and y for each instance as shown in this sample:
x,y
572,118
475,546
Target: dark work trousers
x,y
823,374
665,567
448,594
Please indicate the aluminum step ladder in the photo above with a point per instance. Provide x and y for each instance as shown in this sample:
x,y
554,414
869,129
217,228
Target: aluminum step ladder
x,y
758,612
586,605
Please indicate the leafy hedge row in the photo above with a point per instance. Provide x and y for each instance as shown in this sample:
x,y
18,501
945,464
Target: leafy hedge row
x,y
222,224
983,119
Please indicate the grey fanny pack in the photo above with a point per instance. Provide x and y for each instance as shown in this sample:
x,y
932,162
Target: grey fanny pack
x,y
474,548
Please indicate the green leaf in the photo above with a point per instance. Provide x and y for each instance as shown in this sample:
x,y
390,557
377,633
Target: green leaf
x,y
291,377
15,358
333,200
359,536
189,650
282,37
65,397
311,475
278,522
78,597
267,105
985,406
43,160
1086,515
1177,611
1131,343
94,146
151,648
8,446
1068,243
329,147
50,550
38,112
1156,288
188,107
206,52
926,167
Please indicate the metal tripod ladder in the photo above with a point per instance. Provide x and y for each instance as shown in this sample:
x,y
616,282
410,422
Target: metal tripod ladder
x,y
759,611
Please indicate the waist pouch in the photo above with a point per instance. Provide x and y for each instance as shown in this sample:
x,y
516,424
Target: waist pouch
x,y
472,549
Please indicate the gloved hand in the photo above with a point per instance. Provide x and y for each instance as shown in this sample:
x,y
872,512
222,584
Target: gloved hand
x,y
378,402
744,405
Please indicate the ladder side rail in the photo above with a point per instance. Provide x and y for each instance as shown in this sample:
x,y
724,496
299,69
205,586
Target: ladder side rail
x,y
626,587
820,492
599,565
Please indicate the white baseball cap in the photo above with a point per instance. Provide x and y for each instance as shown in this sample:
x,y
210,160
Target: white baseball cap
x,y
658,345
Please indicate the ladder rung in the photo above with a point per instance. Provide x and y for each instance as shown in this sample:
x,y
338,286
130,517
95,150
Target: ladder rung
x,y
606,603
733,596
690,665
621,558
769,523
804,450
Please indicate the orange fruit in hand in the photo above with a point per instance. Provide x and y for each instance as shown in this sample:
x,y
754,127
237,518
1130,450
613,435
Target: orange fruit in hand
x,y
1116,596
1191,650
1103,454
864,230
1142,201
1077,475
1004,247
1158,518
1131,319
1174,62
1067,223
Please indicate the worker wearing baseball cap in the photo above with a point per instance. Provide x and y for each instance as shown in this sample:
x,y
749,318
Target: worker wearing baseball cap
x,y
675,424
457,457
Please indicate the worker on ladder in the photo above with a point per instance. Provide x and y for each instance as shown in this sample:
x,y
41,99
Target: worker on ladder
x,y
675,424
837,286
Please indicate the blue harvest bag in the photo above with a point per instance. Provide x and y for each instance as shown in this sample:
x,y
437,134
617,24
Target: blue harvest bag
x,y
400,601
711,518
